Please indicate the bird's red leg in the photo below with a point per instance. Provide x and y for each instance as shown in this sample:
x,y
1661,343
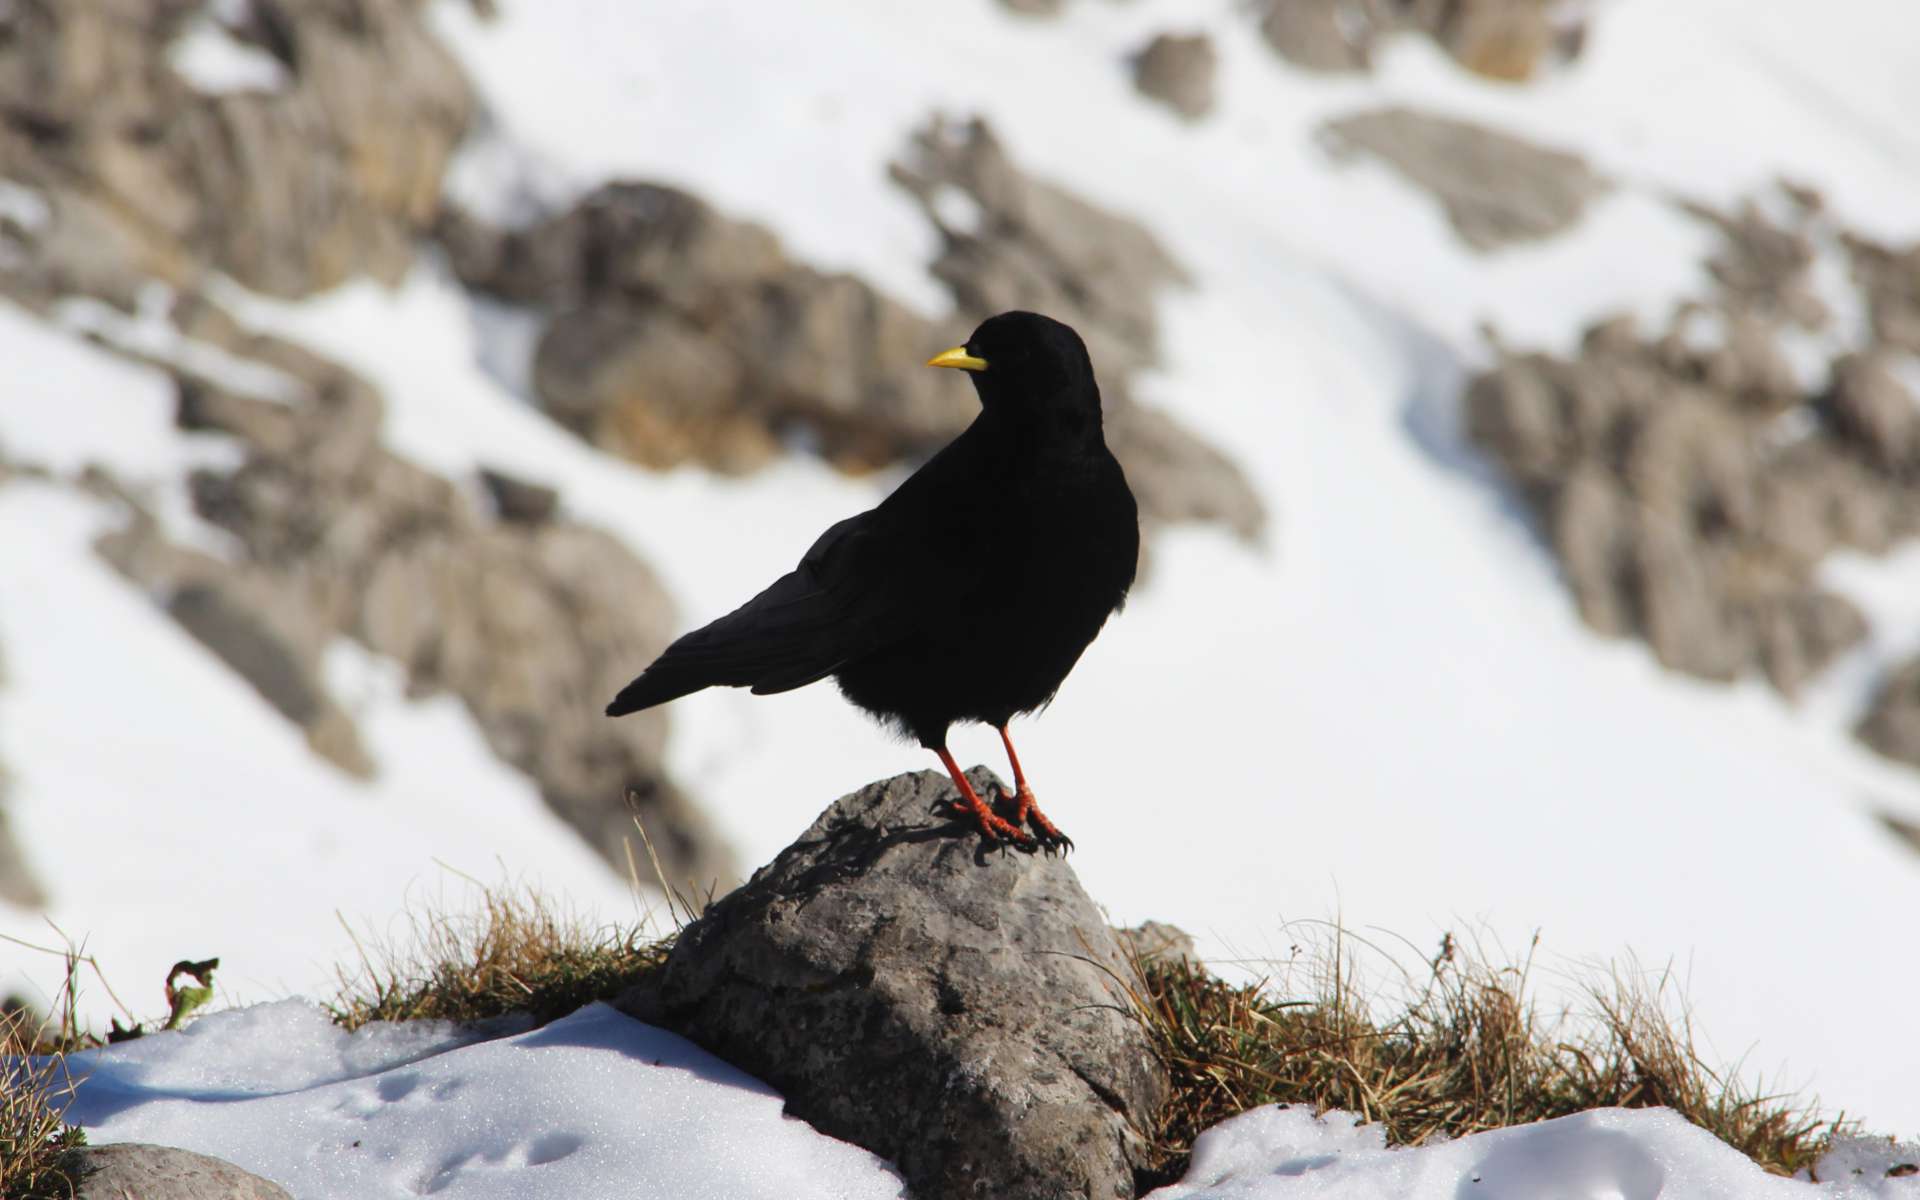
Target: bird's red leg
x,y
992,826
1025,810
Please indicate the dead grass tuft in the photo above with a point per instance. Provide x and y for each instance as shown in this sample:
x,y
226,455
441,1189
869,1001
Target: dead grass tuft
x,y
1462,1052
517,953
34,1088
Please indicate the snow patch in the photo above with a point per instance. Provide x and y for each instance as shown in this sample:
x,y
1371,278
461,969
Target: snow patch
x,y
150,332
565,1110
215,62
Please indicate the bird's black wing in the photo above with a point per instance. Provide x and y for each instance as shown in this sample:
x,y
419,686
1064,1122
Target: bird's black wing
x,y
868,582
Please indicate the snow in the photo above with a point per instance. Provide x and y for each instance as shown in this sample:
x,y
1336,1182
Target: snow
x,y
1401,656
598,1104
168,810
1389,715
214,62
1277,1153
594,1104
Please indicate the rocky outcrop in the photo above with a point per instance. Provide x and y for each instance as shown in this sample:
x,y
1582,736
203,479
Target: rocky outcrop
x,y
1510,40
132,1169
1892,723
1690,483
1497,189
1889,278
959,1011
142,175
1178,71
675,334
1035,246
679,335
530,618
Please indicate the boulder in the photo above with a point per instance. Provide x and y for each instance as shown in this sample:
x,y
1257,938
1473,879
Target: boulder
x,y
132,1169
1178,71
1497,189
960,1011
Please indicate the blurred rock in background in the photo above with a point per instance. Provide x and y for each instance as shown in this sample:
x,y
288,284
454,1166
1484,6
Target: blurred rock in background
x,y
153,146
289,189
1510,40
1178,71
1025,243
1691,483
1497,189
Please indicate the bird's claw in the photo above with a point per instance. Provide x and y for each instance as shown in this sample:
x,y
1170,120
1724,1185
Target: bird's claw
x,y
993,827
1046,835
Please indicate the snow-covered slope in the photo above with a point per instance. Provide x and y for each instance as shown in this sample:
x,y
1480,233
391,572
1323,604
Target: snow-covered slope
x,y
1390,715
169,812
597,1104
1393,715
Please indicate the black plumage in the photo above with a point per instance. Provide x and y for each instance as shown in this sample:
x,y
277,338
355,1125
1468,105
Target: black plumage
x,y
966,595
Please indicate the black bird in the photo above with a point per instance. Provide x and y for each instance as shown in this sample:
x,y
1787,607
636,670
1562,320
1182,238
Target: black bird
x,y
967,594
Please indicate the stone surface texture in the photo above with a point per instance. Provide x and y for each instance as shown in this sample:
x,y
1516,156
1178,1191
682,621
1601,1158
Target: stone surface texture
x,y
958,1010
134,1171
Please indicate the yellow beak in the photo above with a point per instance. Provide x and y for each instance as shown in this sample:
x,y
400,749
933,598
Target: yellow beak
x,y
958,357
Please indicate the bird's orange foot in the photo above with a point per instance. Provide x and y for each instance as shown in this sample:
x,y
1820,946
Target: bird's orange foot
x,y
1026,812
993,827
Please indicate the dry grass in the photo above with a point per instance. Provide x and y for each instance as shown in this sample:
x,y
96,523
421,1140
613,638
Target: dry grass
x,y
1464,1051
517,953
34,1086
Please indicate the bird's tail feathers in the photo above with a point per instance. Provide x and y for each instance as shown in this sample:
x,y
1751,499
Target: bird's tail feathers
x,y
654,686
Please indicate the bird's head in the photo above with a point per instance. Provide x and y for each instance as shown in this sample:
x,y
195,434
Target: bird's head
x,y
1028,368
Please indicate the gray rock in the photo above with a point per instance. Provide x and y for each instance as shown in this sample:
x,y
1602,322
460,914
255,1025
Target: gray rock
x,y
1502,39
531,622
131,1169
1892,722
1178,71
1889,277
1675,511
1801,633
1157,941
1872,409
261,640
1323,35
1763,266
1035,246
1497,189
675,334
289,191
958,1011
520,501
678,335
